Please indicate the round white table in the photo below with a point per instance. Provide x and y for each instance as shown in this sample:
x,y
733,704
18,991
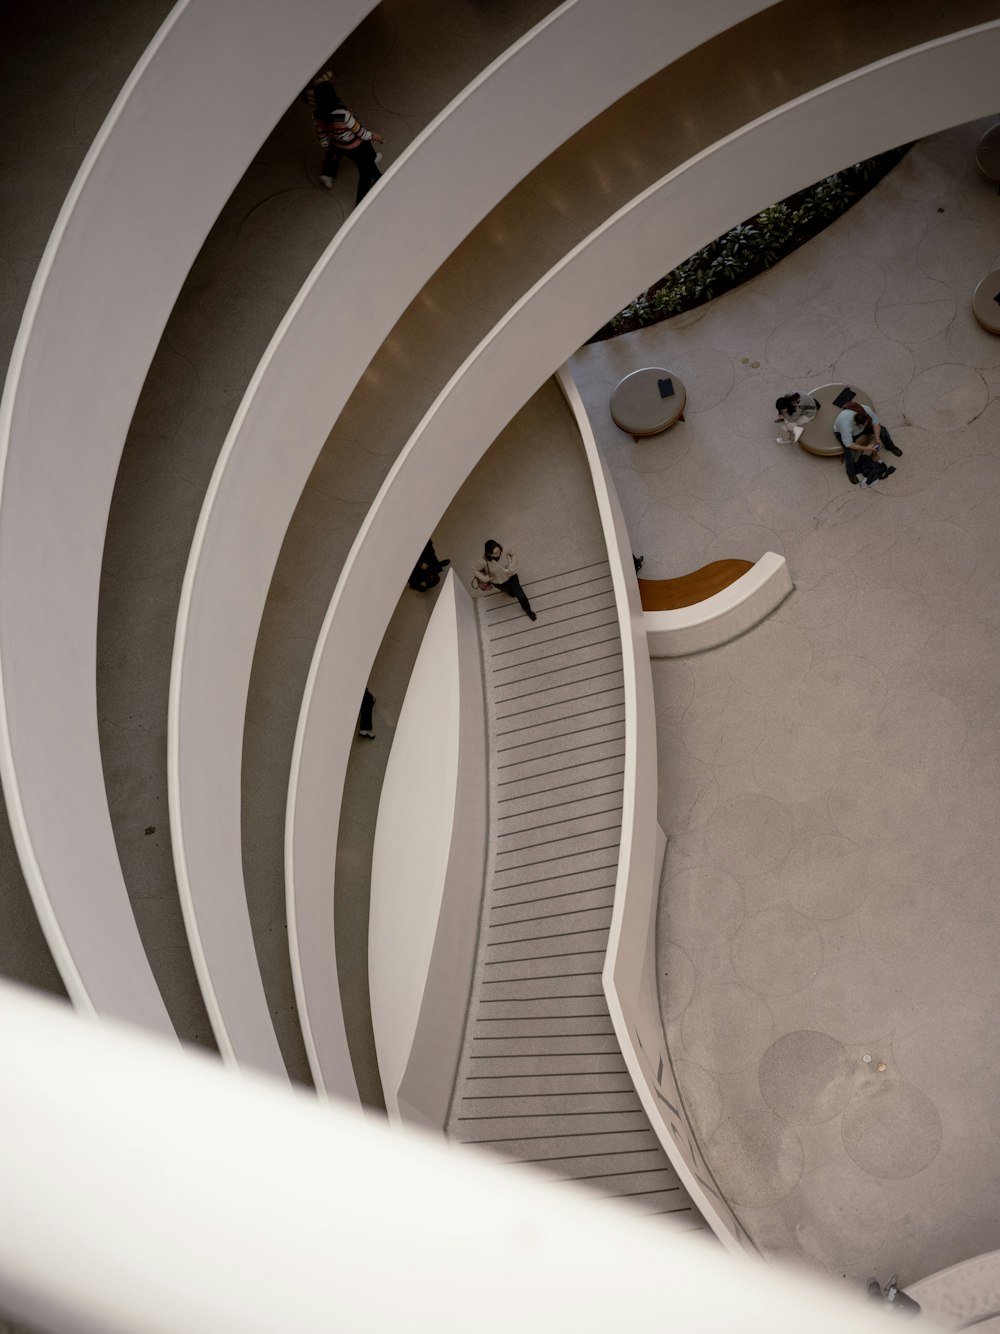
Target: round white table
x,y
648,401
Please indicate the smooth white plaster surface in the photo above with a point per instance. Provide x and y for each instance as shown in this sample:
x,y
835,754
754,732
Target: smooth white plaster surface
x,y
421,819
191,116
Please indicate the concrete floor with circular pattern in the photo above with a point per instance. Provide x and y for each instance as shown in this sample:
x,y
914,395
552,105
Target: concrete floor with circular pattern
x,y
830,783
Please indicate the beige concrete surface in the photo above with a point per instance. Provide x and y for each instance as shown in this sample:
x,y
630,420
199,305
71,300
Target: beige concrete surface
x,y
830,783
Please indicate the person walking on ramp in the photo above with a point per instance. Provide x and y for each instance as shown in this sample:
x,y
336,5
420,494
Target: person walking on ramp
x,y
498,569
344,136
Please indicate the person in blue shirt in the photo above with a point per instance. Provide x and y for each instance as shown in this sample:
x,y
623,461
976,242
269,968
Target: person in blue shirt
x,y
858,420
858,423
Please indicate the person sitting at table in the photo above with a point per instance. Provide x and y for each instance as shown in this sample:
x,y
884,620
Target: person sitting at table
x,y
793,410
858,420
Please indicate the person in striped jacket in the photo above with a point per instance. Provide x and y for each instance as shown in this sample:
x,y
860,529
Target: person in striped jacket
x,y
342,135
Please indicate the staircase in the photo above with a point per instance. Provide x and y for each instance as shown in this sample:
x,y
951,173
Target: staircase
x,y
542,1079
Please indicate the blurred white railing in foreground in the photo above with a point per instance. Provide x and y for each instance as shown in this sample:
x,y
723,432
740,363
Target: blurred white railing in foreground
x,y
723,616
147,1190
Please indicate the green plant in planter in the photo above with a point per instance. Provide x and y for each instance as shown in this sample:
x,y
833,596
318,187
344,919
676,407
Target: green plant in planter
x,y
776,232
867,170
831,196
804,213
752,246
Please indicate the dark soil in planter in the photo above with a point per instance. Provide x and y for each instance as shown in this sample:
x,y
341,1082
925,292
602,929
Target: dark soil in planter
x,y
755,245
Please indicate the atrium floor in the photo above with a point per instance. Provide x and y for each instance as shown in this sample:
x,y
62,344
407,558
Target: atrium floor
x,y
830,783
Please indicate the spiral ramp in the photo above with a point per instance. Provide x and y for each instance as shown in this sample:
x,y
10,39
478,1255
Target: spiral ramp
x,y
220,362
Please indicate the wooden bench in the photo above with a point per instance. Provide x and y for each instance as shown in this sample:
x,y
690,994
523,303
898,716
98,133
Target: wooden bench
x,y
737,595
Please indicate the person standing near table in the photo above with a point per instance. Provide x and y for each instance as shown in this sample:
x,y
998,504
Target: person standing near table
x,y
344,136
498,568
794,410
796,407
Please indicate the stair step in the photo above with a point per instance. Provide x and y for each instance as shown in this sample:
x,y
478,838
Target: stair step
x,y
553,641
560,777
602,646
542,852
494,1067
513,1086
572,721
561,701
566,923
581,1166
501,989
471,1128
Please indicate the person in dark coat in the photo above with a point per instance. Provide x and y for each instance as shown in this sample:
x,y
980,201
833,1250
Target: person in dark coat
x,y
427,571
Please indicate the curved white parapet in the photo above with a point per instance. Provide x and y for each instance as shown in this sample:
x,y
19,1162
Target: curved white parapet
x,y
715,620
202,99
963,1295
554,80
428,866
912,94
262,1211
629,978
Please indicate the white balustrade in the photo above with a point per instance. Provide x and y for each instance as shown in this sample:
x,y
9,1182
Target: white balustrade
x,y
427,867
197,107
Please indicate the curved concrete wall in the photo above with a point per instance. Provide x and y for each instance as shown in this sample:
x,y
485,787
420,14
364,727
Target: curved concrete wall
x,y
551,82
963,1296
428,864
193,113
913,94
715,620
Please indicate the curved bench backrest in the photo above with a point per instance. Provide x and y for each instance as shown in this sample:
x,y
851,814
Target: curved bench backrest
x,y
734,609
